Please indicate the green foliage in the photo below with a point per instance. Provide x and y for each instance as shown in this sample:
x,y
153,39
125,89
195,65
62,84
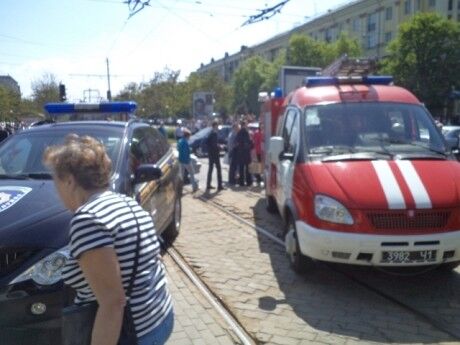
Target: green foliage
x,y
164,95
305,51
9,103
44,90
347,45
247,83
425,58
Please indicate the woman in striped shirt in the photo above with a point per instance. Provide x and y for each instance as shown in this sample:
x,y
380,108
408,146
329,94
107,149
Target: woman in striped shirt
x,y
104,245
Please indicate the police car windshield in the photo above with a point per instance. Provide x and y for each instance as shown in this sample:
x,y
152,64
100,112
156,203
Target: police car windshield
x,y
390,128
21,156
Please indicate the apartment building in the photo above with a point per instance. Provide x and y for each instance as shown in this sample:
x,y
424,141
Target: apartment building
x,y
8,82
373,22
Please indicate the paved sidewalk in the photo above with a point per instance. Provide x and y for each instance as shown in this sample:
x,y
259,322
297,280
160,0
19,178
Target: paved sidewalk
x,y
252,276
196,322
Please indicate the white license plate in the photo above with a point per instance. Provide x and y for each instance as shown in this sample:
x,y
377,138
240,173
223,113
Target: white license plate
x,y
405,256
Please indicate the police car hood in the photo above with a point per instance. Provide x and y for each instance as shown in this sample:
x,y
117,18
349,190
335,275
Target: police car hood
x,y
403,184
32,215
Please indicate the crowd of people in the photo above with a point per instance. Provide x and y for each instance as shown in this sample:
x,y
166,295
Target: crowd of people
x,y
9,128
243,155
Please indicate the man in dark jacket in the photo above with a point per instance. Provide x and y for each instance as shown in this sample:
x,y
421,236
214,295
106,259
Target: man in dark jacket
x,y
214,157
244,146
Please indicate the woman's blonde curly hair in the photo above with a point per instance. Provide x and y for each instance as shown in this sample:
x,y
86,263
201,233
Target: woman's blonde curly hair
x,y
83,157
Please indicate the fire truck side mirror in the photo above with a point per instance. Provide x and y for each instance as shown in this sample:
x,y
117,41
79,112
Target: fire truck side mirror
x,y
275,149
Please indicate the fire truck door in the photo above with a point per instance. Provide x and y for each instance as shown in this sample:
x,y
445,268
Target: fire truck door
x,y
286,165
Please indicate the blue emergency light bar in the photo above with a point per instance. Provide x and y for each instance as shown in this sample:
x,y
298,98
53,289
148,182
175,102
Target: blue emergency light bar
x,y
366,80
109,107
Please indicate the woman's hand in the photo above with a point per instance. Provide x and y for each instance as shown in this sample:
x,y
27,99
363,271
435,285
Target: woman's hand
x,y
102,272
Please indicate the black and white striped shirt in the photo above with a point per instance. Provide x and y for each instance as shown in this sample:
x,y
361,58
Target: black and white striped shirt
x,y
106,220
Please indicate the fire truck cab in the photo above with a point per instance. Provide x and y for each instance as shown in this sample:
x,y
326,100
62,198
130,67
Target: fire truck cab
x,y
359,171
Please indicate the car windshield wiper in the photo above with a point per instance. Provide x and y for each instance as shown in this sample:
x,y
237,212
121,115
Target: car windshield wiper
x,y
14,176
40,175
37,176
332,149
356,156
411,143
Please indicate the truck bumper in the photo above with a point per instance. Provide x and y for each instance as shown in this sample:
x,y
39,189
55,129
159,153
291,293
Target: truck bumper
x,y
372,250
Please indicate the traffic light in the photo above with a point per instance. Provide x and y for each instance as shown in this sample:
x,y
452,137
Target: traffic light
x,y
62,95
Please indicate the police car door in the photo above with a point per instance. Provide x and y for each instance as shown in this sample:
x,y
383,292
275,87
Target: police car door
x,y
149,194
290,135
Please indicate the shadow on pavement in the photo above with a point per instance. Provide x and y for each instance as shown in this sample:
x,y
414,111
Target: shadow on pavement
x,y
327,299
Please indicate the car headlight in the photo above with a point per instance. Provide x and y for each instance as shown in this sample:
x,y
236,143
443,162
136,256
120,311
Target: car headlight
x,y
48,270
331,210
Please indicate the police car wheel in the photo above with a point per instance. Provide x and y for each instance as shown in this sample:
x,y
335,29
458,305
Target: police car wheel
x,y
299,263
199,152
271,204
172,231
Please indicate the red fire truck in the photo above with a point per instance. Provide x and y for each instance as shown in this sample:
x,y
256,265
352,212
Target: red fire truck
x,y
360,173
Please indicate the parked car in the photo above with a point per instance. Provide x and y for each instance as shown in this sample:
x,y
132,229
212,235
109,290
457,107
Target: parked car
x,y
452,135
451,131
197,141
34,224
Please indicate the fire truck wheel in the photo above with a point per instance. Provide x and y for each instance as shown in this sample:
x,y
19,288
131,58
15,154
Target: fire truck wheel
x,y
271,204
449,267
299,262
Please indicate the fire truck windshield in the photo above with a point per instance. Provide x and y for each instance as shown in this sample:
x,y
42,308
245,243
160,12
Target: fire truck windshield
x,y
392,128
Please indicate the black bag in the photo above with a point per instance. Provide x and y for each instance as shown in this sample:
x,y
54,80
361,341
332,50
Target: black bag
x,y
78,320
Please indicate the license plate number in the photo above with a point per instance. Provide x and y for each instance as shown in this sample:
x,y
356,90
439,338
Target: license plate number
x,y
402,256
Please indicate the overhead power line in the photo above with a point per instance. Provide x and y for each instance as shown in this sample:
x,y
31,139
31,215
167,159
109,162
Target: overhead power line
x,y
266,13
136,6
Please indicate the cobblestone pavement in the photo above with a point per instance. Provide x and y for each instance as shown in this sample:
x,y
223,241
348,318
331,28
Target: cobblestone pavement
x,y
252,276
196,322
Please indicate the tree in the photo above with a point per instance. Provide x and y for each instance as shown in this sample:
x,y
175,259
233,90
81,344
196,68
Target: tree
x,y
9,103
213,82
305,51
347,45
247,83
425,58
45,90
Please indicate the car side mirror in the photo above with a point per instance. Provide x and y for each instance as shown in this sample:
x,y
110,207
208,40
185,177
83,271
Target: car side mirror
x,y
146,173
276,146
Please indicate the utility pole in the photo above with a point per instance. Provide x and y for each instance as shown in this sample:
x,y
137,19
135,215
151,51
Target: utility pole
x,y
109,93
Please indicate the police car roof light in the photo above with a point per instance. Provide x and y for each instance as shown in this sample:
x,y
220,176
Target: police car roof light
x,y
109,107
329,81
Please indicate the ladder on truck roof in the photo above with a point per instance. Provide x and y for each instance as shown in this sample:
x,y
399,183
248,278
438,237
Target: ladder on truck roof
x,y
348,67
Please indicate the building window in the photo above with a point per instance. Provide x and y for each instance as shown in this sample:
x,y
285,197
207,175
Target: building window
x,y
418,5
372,22
432,3
451,5
356,25
388,36
407,7
389,13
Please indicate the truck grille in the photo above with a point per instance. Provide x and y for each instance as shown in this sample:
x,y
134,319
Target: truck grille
x,y
402,220
12,258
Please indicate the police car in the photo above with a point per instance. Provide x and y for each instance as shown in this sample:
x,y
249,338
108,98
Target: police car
x,y
34,223
361,175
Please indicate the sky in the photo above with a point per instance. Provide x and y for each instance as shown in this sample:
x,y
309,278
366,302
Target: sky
x,y
73,39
